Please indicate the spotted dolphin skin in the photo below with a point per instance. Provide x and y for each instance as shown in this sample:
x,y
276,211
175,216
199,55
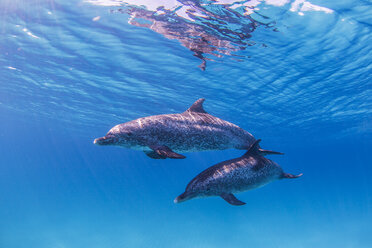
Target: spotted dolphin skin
x,y
165,136
249,171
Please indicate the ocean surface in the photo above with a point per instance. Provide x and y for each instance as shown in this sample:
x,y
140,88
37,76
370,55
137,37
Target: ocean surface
x,y
296,74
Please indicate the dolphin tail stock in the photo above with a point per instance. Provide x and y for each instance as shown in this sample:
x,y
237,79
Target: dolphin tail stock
x,y
255,148
264,152
290,176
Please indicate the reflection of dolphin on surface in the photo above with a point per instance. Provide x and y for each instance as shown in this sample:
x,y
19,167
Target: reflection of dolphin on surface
x,y
209,38
247,172
217,27
164,136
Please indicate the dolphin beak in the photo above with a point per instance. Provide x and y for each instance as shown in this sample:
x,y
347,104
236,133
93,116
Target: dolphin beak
x,y
180,198
101,141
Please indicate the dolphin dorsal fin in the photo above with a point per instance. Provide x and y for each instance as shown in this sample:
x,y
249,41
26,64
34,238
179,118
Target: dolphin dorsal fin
x,y
197,106
254,148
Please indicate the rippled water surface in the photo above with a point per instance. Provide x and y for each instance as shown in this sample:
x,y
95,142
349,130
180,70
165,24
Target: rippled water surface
x,y
295,73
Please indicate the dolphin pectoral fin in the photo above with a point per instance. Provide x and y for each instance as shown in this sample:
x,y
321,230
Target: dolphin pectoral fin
x,y
154,155
230,198
290,176
166,152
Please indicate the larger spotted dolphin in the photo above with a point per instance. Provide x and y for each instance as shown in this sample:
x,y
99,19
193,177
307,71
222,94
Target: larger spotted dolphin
x,y
165,136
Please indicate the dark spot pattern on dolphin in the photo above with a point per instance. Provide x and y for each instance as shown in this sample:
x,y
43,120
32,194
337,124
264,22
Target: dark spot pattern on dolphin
x,y
168,135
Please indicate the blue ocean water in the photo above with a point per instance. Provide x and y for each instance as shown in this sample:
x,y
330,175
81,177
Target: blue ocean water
x,y
295,73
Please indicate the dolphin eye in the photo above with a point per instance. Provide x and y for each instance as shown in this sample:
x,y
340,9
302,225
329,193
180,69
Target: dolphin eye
x,y
129,134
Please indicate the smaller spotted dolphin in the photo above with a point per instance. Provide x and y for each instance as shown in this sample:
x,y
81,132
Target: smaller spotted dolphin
x,y
247,172
165,136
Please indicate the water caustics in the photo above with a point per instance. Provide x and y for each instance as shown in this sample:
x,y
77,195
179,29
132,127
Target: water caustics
x,y
219,27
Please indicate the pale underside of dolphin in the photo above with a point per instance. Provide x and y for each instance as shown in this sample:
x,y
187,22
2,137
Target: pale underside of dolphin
x,y
165,136
247,172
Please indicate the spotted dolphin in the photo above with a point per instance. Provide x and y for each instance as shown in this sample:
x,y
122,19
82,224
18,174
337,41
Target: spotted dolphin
x,y
168,135
247,172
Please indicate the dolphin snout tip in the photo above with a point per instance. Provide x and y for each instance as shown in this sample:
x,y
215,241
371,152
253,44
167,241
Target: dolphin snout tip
x,y
99,141
180,198
177,200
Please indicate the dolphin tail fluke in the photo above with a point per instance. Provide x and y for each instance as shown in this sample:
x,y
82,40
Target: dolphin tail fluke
x,y
230,198
291,176
264,152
